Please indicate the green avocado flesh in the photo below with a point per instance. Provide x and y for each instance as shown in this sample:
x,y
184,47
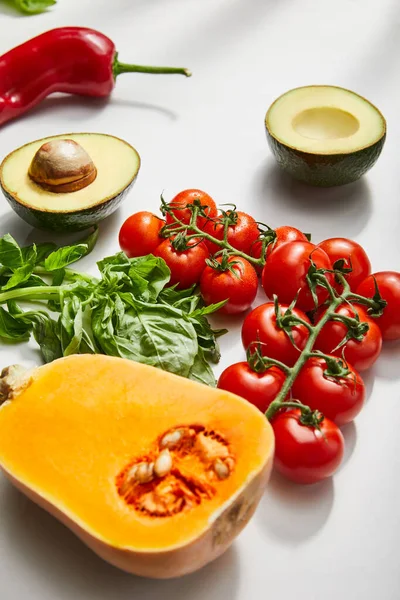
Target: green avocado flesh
x,y
325,135
117,165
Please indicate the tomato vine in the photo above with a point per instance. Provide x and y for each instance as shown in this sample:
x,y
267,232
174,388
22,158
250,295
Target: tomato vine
x,y
316,277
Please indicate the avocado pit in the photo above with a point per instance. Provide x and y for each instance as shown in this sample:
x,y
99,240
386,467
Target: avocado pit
x,y
61,166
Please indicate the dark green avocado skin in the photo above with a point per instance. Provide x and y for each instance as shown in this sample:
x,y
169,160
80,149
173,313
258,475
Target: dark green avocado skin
x,y
325,170
67,221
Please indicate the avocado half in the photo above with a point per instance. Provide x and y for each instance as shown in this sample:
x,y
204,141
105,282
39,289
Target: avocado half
x,y
325,135
117,164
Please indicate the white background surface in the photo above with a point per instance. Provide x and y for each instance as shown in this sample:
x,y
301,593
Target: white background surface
x,y
337,540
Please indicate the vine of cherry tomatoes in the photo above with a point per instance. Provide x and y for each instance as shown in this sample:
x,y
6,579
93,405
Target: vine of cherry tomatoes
x,y
325,319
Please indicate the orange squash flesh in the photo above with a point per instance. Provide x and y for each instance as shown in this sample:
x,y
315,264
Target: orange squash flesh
x,y
81,423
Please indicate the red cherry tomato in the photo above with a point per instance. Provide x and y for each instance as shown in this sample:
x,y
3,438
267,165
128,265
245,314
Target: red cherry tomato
x,y
354,257
238,283
361,354
186,266
305,454
340,399
389,288
139,234
241,235
286,270
284,235
261,325
258,388
180,202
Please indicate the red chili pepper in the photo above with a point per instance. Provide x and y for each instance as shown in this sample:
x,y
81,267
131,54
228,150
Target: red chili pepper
x,y
75,60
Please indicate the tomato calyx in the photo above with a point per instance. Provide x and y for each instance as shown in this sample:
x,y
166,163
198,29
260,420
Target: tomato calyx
x,y
356,329
376,304
316,277
224,261
340,265
311,418
267,237
336,367
255,359
289,319
182,242
260,363
228,218
308,418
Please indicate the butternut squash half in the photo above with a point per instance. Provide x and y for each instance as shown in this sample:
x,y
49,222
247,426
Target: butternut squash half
x,y
156,473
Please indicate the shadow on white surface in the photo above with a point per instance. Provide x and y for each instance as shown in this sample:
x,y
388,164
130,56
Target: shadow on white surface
x,y
369,381
11,223
308,207
80,108
388,364
49,553
350,437
294,513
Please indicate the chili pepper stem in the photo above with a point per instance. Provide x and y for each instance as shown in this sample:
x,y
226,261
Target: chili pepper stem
x,y
120,67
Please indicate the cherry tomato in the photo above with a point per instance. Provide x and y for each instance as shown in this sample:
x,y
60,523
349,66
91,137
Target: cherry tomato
x,y
338,398
241,235
180,202
305,454
258,388
139,234
389,288
361,354
186,266
261,325
354,257
238,283
284,235
286,269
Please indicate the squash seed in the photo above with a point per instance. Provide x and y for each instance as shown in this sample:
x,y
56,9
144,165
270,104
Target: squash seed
x,y
172,439
221,469
163,463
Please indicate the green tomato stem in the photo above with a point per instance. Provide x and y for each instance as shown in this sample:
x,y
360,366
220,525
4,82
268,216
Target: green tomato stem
x,y
279,401
223,244
307,353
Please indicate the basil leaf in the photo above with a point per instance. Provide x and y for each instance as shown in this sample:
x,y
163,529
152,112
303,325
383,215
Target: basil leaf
x,y
45,331
91,239
201,370
206,338
23,273
149,274
43,250
208,310
58,277
152,334
173,296
33,281
119,260
33,7
10,252
12,328
64,256
71,326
